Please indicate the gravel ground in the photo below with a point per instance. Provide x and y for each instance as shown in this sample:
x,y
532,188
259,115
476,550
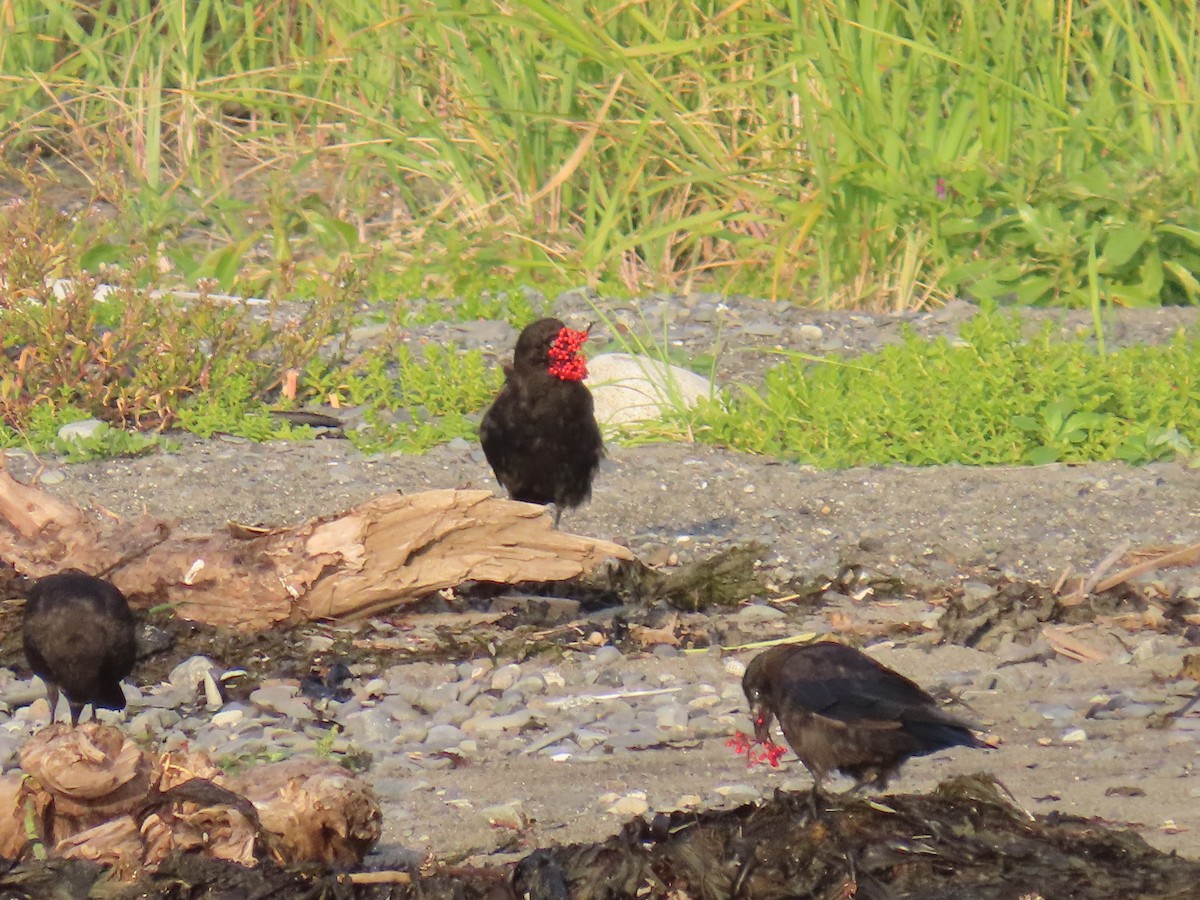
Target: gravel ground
x,y
486,758
743,333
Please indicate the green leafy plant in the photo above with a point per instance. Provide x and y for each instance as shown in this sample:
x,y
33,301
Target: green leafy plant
x,y
1155,442
1145,254
132,355
1056,428
991,398
413,402
254,755
236,410
325,743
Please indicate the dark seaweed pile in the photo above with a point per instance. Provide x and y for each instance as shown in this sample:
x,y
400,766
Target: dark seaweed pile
x,y
962,840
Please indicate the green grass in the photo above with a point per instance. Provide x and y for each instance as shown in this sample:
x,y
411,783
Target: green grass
x,y
150,363
990,398
412,402
885,154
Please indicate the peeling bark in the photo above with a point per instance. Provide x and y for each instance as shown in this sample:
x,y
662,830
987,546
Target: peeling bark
x,y
384,553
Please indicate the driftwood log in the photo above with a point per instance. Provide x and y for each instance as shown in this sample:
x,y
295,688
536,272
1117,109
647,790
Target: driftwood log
x,y
384,553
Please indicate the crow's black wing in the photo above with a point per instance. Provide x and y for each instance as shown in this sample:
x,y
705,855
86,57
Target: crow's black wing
x,y
844,685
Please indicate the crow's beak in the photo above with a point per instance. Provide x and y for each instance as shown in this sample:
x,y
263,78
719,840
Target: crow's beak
x,y
762,723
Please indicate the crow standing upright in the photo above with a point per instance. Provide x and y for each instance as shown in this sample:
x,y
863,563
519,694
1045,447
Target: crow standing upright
x,y
842,710
540,434
79,637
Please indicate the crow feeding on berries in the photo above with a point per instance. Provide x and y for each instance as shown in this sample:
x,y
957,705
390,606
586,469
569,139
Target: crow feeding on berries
x,y
842,710
540,434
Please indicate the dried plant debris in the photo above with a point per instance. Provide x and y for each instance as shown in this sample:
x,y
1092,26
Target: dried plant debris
x,y
1021,610
1018,609
89,793
963,840
723,579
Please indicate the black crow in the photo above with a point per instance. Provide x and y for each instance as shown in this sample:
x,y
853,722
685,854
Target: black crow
x,y
841,710
79,637
540,434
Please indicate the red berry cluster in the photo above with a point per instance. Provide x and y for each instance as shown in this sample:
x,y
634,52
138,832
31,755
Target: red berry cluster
x,y
565,362
770,753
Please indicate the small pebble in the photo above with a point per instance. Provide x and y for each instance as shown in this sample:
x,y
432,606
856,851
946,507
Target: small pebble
x,y
410,733
273,695
227,718
485,725
759,612
531,685
809,332
505,677
587,739
151,723
22,693
470,691
189,675
369,726
1030,718
671,716
431,700
454,713
763,328
506,815
443,737
632,804
740,793
81,430
607,655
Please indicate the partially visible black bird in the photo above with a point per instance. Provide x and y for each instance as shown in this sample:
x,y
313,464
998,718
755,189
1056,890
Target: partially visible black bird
x,y
540,434
842,710
540,876
79,637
